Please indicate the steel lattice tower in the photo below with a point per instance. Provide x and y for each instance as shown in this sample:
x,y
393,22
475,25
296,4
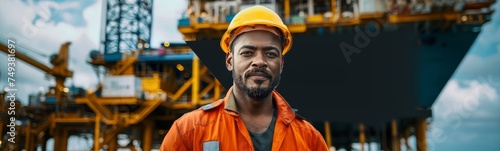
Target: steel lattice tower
x,y
127,21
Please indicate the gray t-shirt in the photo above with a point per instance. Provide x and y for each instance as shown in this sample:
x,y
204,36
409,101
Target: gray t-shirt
x,y
264,141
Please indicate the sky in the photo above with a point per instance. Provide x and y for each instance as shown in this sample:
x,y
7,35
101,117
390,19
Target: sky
x,y
466,115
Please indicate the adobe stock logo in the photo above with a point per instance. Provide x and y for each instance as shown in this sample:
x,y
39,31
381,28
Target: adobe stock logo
x,y
29,29
361,40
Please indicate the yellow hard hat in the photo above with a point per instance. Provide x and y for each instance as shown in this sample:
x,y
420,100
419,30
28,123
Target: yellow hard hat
x,y
253,17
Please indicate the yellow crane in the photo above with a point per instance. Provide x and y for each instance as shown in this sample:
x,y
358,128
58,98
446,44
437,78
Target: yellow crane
x,y
60,72
59,69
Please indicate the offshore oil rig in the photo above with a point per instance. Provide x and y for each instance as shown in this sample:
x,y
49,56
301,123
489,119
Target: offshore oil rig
x,y
142,90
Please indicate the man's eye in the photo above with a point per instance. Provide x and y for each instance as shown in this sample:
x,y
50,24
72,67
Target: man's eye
x,y
247,53
272,55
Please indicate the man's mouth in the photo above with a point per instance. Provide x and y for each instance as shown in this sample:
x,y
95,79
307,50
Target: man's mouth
x,y
258,76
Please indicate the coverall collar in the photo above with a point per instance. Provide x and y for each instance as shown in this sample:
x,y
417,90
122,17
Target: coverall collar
x,y
284,110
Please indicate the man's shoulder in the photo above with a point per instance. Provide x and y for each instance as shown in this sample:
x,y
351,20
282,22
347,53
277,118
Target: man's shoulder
x,y
306,129
200,116
302,122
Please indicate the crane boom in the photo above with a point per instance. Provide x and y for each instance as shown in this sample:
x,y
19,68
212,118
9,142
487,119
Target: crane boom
x,y
58,72
27,59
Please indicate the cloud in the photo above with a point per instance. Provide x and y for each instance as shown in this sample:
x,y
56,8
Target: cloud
x,y
18,21
472,135
479,67
165,19
45,37
465,113
465,98
484,54
486,43
56,12
70,5
84,75
93,17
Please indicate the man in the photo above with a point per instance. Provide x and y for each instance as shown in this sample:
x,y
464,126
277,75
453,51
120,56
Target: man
x,y
253,115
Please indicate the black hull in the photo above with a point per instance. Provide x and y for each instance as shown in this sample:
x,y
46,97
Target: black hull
x,y
391,75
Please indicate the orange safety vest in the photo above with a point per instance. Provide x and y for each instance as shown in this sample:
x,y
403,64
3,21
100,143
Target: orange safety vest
x,y
215,127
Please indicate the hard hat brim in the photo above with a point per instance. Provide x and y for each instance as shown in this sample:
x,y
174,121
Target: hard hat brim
x,y
226,38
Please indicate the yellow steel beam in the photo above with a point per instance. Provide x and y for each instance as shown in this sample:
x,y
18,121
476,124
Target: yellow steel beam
x,y
111,101
333,9
206,79
29,60
64,141
328,134
395,139
453,16
124,66
217,90
44,126
52,123
207,89
424,17
287,9
74,119
18,145
97,132
206,101
371,15
144,111
178,105
2,99
128,119
348,22
61,61
202,25
167,117
319,24
27,143
317,18
58,136
113,143
421,128
187,29
147,138
33,143
362,138
195,88
181,90
98,108
219,26
297,28
111,135
1,128
186,85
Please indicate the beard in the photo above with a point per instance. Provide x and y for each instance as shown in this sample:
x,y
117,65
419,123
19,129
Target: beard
x,y
260,91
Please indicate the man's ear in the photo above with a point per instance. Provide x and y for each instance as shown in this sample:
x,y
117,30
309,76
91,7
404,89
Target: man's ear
x,y
229,61
282,63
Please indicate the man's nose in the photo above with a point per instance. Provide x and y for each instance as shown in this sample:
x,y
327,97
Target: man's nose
x,y
259,61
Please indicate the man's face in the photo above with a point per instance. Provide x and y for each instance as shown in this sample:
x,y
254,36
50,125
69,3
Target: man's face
x,y
256,63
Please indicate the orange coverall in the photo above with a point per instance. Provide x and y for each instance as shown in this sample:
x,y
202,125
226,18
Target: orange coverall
x,y
217,126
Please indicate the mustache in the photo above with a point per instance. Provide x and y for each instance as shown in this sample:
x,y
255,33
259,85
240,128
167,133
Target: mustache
x,y
258,71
